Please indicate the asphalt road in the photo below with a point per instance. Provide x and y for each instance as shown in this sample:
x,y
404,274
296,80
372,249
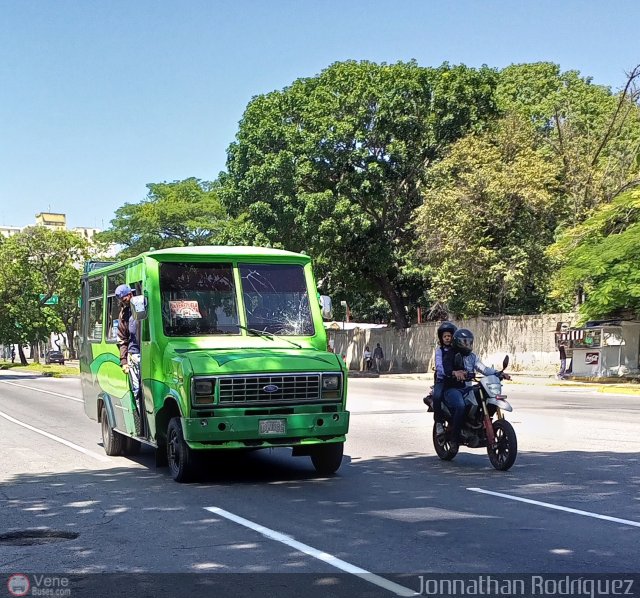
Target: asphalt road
x,y
571,503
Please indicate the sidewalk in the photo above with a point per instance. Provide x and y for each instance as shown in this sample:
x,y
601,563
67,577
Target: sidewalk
x,y
525,378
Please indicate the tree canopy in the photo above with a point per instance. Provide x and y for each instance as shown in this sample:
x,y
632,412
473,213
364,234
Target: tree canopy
x,y
489,209
173,214
35,265
415,186
334,164
601,259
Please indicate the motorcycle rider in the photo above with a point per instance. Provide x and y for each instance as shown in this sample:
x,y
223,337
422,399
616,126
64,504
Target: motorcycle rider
x,y
454,395
444,371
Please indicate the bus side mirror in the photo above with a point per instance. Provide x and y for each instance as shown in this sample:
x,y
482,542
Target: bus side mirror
x,y
326,306
139,307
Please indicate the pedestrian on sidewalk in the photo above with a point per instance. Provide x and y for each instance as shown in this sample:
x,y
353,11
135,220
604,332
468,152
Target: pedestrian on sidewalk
x,y
378,356
563,361
367,358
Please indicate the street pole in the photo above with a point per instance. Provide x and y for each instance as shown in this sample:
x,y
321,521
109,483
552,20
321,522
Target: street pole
x,y
345,318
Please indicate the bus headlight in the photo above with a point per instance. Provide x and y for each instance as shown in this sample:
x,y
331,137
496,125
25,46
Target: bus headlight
x,y
203,391
330,382
204,387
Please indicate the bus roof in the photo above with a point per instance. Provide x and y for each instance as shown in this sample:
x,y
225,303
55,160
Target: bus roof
x,y
217,251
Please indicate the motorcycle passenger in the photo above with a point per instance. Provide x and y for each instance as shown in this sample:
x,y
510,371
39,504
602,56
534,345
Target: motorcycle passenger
x,y
444,371
454,396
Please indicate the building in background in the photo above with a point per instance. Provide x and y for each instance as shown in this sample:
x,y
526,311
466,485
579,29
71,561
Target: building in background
x,y
9,231
52,220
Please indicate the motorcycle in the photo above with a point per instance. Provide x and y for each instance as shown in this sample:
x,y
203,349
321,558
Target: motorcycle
x,y
484,423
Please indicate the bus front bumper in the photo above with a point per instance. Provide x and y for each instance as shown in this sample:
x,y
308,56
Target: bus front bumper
x,y
255,431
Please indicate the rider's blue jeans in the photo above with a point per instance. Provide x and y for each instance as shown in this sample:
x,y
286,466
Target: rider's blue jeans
x,y
438,396
454,399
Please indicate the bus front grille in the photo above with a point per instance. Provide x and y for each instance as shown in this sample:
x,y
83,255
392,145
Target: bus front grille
x,y
277,389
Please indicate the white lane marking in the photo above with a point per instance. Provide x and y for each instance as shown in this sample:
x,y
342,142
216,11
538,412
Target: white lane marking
x,y
558,507
318,554
75,447
47,392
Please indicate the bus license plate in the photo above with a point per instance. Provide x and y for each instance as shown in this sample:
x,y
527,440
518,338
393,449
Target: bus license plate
x,y
272,426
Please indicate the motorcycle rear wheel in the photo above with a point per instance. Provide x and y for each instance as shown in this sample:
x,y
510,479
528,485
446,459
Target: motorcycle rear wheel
x,y
445,449
505,450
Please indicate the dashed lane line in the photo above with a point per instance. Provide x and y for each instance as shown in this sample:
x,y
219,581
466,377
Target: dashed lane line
x,y
558,507
47,392
315,553
75,447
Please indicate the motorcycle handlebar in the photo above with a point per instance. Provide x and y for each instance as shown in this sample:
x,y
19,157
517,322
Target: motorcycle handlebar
x,y
502,375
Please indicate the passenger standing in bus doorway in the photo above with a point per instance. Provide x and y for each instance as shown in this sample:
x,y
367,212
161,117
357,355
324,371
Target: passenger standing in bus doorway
x,y
128,341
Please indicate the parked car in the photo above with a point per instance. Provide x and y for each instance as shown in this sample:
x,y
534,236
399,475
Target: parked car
x,y
54,357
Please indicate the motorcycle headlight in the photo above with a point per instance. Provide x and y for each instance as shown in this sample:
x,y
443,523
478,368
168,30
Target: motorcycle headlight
x,y
494,389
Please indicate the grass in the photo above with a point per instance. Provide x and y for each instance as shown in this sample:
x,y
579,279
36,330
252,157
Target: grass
x,y
54,370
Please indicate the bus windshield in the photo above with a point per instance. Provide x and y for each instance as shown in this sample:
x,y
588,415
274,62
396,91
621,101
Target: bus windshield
x,y
276,300
198,299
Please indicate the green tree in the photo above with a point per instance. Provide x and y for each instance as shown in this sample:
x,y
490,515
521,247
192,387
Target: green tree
x,y
68,307
594,132
173,214
335,164
33,266
489,210
601,258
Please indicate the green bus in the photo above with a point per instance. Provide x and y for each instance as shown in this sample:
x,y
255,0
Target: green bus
x,y
233,357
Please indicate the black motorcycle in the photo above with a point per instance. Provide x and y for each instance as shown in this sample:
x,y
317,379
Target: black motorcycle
x,y
484,424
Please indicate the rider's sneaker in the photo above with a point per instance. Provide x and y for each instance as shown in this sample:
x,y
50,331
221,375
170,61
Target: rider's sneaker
x,y
439,429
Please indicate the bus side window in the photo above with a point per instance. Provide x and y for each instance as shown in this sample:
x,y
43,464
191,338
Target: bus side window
x,y
137,287
113,305
95,309
84,294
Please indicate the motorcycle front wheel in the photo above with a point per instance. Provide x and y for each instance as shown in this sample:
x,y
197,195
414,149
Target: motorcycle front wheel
x,y
445,449
505,450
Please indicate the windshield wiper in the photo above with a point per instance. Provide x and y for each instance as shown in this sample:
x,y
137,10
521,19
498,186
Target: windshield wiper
x,y
271,337
256,332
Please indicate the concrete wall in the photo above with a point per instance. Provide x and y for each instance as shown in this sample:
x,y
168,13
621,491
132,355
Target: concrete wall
x,y
528,340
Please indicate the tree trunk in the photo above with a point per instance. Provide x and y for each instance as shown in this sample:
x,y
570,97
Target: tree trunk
x,y
71,330
395,300
35,352
23,359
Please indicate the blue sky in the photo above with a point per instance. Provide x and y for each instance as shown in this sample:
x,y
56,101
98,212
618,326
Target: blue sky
x,y
97,99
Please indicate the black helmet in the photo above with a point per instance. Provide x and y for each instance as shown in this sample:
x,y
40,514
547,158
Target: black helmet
x,y
446,327
463,341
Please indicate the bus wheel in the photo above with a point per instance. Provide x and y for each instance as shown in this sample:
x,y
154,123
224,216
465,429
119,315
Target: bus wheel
x,y
112,441
327,458
179,456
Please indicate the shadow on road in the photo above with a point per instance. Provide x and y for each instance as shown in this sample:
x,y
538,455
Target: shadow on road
x,y
410,514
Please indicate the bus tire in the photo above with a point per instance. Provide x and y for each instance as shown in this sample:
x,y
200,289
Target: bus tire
x,y
112,441
179,456
327,458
